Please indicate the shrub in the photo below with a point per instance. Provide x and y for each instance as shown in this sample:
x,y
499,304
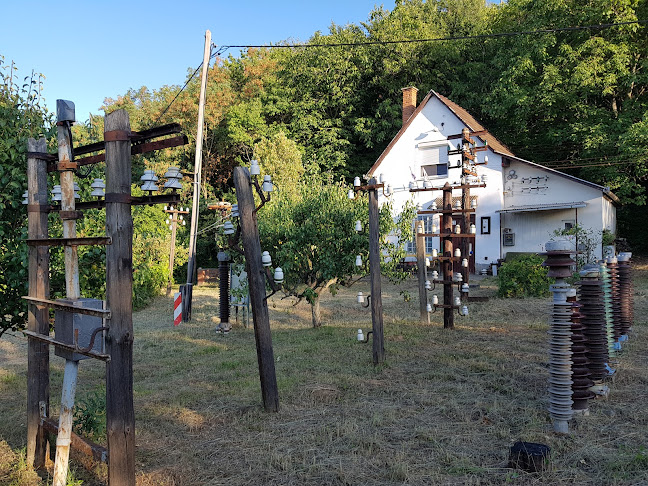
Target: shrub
x,y
524,277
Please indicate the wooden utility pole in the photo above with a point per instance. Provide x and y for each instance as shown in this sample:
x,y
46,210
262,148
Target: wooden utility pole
x,y
374,271
422,272
191,264
120,413
38,387
448,311
257,283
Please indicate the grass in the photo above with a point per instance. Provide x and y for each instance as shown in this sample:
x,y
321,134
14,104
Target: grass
x,y
444,408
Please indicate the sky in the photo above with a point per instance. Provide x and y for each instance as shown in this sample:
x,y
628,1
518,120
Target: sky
x,y
91,50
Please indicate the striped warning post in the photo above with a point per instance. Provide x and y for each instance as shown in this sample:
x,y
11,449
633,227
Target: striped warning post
x,y
177,308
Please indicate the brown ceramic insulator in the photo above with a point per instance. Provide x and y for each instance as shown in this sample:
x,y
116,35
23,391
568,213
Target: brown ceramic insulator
x,y
580,371
593,320
613,266
625,295
560,264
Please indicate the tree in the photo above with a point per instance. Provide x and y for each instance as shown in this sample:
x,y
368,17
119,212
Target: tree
x,y
311,235
21,117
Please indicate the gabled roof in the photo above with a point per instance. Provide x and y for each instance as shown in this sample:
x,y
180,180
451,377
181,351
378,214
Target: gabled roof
x,y
494,144
465,117
472,123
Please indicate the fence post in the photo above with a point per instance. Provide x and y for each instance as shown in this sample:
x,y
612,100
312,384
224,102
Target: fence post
x,y
120,414
419,229
374,270
38,390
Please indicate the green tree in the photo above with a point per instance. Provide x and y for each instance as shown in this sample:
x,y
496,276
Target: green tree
x,y
310,235
21,117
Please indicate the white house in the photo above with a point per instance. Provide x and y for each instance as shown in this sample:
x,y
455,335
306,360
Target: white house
x,y
522,203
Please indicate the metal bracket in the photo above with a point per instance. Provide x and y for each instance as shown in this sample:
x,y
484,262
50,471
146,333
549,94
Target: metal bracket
x,y
38,208
117,136
41,156
63,166
118,197
70,215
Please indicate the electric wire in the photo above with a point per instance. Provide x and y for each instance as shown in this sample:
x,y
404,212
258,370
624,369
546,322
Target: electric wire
x,y
439,39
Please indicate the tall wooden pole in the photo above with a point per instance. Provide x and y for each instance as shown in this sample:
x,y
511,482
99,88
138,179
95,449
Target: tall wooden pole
x,y
173,211
120,413
38,387
65,117
257,283
191,264
374,271
448,311
422,273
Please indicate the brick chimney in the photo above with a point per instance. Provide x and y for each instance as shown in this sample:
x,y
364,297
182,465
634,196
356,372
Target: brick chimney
x,y
409,102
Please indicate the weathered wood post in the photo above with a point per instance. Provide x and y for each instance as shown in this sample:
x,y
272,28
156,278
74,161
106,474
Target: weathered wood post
x,y
422,272
448,311
173,211
38,387
374,271
120,414
256,279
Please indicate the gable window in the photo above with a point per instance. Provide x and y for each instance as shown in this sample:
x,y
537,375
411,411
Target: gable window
x,y
433,160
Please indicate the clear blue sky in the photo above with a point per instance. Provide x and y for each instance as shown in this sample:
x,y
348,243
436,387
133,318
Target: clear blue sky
x,y
90,50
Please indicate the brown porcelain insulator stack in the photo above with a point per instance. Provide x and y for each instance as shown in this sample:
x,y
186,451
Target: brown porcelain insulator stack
x,y
613,266
593,311
560,262
581,393
625,292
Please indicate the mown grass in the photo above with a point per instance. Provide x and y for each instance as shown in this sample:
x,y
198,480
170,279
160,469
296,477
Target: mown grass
x,y
443,409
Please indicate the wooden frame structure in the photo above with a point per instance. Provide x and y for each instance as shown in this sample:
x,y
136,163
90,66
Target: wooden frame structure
x,y
119,144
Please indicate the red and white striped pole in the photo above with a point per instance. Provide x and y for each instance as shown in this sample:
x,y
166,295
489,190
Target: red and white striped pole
x,y
177,308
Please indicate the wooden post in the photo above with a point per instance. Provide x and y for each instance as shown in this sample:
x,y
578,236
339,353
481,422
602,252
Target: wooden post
x,y
448,312
422,273
120,414
174,222
374,271
72,290
38,387
256,279
191,263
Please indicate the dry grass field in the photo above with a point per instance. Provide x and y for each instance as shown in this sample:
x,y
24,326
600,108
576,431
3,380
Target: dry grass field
x,y
444,408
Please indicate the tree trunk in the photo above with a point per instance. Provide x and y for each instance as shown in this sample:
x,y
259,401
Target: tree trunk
x,y
315,311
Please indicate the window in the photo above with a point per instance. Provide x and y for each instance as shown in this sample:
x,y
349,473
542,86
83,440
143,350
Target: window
x,y
410,246
433,160
485,225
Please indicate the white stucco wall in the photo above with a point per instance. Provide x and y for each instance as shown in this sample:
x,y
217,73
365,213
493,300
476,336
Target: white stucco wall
x,y
532,230
535,186
433,124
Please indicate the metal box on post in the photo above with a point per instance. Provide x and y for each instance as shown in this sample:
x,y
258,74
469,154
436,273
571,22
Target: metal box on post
x,y
66,323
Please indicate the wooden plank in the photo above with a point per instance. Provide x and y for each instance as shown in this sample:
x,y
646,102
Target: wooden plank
x,y
256,280
374,273
38,388
89,448
120,413
424,316
53,304
43,338
99,240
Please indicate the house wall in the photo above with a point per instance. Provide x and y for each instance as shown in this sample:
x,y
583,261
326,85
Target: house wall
x,y
534,186
402,164
431,126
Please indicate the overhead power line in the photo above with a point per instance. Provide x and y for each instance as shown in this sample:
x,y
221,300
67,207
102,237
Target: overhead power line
x,y
224,48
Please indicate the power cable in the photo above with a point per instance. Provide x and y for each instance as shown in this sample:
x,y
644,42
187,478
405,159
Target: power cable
x,y
439,39
178,94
